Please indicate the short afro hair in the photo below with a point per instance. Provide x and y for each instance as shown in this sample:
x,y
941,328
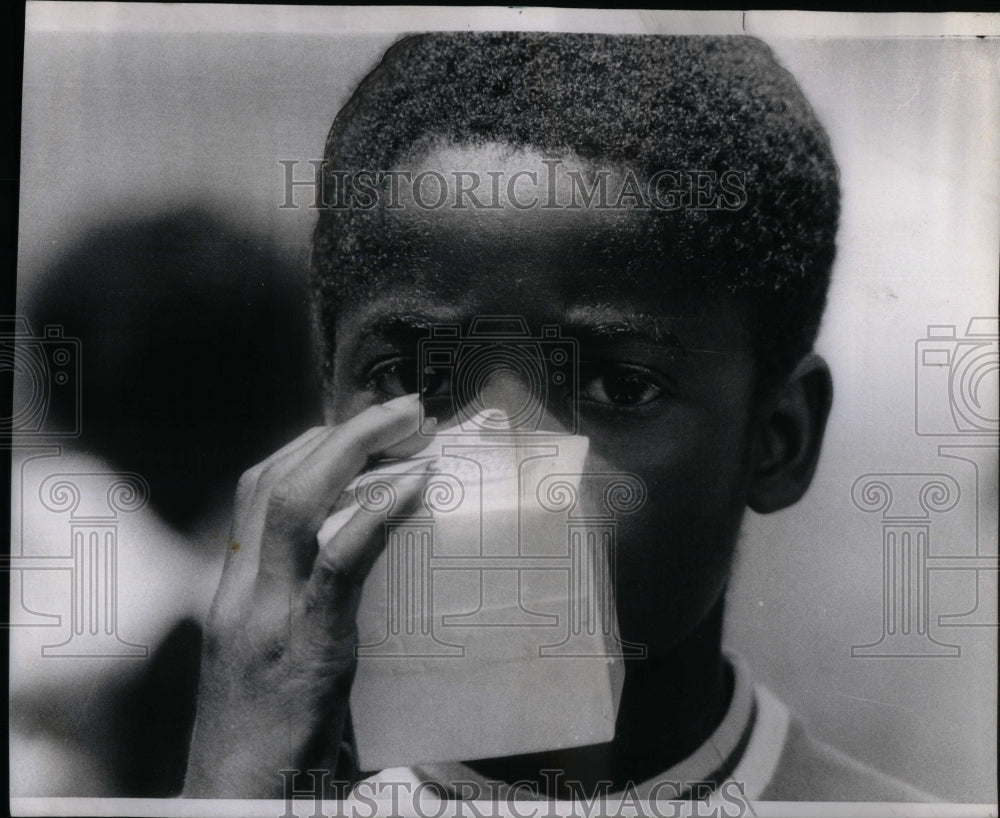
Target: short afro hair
x,y
643,102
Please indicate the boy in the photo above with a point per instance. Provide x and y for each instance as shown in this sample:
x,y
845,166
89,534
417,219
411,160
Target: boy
x,y
669,203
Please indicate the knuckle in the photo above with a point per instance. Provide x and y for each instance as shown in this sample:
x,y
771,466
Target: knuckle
x,y
335,578
332,569
215,636
285,501
211,644
248,482
272,653
268,475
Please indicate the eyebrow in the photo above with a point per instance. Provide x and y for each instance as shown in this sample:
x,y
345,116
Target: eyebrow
x,y
592,325
588,322
406,325
605,323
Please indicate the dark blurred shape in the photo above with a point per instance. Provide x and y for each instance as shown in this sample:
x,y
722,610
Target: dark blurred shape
x,y
153,718
195,348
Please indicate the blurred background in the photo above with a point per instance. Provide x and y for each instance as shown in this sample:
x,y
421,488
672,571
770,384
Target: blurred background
x,y
151,230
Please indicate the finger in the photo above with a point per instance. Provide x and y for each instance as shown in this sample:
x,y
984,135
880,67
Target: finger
x,y
302,499
418,447
333,589
243,553
336,521
250,478
296,505
415,443
371,493
294,445
286,560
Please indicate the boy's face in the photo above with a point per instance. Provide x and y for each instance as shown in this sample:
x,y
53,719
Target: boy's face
x,y
666,386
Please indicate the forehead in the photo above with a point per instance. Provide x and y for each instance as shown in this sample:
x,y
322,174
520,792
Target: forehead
x,y
471,221
509,205
504,242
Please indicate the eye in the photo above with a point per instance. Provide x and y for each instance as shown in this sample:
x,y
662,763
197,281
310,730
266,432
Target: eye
x,y
398,377
395,377
620,385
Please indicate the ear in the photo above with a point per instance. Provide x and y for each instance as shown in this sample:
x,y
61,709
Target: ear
x,y
790,436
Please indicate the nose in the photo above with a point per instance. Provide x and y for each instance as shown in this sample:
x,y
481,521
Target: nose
x,y
526,399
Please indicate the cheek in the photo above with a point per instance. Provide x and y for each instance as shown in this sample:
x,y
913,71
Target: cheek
x,y
674,553
343,399
344,406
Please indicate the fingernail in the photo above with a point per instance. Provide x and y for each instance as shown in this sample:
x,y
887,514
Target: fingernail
x,y
429,424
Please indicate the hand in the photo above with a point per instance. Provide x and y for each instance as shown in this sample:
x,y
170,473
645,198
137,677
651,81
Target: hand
x,y
279,646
